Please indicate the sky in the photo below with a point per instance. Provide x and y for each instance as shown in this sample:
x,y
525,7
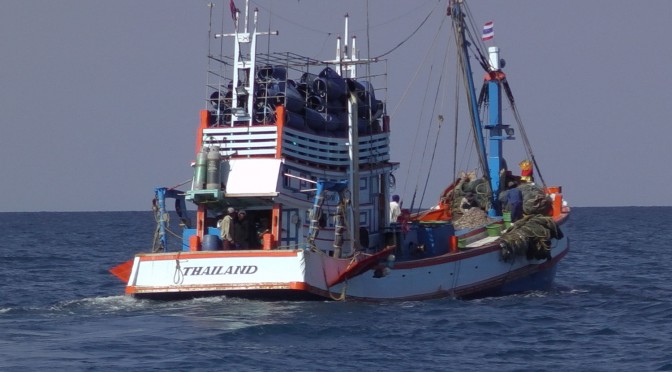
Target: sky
x,y
99,100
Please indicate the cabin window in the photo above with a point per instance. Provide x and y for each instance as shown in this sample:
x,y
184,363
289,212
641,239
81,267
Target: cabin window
x,y
364,218
374,185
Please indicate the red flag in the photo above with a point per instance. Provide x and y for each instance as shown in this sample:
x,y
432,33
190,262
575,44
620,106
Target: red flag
x,y
233,8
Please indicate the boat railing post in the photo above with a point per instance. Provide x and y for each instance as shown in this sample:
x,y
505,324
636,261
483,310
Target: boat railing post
x,y
160,193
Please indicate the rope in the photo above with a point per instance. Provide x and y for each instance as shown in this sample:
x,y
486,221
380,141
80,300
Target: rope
x,y
181,184
438,132
345,283
476,43
326,282
465,78
409,36
178,276
417,133
431,162
166,229
523,133
342,296
457,116
297,24
417,70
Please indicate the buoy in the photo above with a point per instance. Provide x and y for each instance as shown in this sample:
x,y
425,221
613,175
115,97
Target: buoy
x,y
453,244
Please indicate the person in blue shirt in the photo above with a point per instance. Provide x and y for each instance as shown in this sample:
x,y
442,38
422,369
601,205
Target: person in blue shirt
x,y
512,201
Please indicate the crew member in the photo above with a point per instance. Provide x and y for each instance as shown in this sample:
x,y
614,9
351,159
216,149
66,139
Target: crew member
x,y
241,231
526,171
227,227
395,209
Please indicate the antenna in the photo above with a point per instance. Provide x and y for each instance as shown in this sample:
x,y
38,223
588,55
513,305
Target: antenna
x,y
244,66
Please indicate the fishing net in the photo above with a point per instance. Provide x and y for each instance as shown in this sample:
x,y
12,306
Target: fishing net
x,y
535,200
478,191
530,237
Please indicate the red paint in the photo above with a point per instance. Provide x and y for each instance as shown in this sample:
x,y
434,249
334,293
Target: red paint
x,y
205,119
279,123
194,243
557,205
123,271
215,254
268,241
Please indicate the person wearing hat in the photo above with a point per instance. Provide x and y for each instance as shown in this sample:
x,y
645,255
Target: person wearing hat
x,y
526,171
227,228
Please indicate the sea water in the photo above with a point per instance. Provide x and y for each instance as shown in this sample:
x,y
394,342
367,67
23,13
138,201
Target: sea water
x,y
60,309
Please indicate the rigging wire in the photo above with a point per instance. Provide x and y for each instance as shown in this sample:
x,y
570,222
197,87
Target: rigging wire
x,y
457,121
422,158
268,44
436,138
324,44
403,97
368,75
297,24
405,14
409,36
465,79
519,121
438,132
411,81
476,43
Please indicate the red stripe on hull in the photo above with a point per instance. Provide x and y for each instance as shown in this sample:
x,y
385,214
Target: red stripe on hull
x,y
215,254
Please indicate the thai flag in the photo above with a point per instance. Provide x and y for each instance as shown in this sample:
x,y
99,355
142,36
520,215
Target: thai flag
x,y
488,31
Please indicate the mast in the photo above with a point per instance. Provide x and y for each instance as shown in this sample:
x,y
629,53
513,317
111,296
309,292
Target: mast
x,y
353,138
346,65
491,159
494,79
460,29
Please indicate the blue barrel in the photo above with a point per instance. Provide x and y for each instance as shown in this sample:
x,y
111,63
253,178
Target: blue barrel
x,y
211,243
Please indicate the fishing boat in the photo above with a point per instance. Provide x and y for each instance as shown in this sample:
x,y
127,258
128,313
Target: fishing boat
x,y
291,189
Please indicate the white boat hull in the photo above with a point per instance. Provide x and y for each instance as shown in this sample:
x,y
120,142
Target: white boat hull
x,y
305,274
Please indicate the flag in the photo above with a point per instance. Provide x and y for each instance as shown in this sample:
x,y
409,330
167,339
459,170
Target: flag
x,y
488,31
233,8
